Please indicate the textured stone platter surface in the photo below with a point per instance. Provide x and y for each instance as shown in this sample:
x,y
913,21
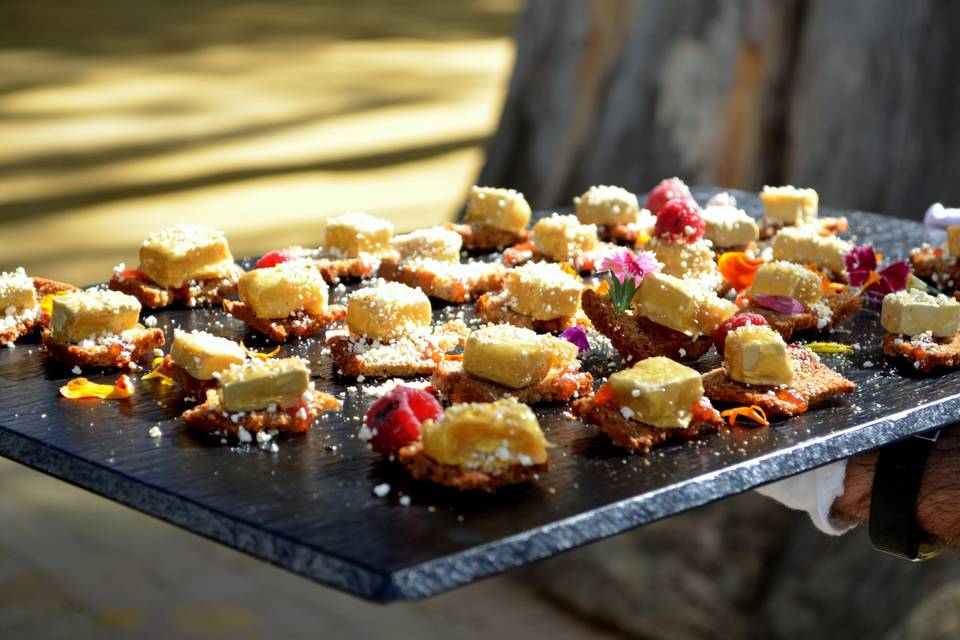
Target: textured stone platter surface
x,y
310,506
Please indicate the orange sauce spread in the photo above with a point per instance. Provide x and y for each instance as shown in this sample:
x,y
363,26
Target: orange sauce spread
x,y
703,412
603,396
792,397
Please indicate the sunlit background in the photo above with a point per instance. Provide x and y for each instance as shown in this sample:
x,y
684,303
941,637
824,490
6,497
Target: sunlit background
x,y
257,117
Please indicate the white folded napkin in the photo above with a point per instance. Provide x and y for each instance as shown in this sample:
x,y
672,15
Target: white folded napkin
x,y
940,216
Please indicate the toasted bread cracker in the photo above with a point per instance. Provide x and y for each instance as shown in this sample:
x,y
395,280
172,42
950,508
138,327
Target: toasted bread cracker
x,y
824,227
937,267
492,307
637,338
456,386
925,353
190,387
45,286
298,325
136,347
209,417
484,237
12,331
636,436
335,269
814,382
584,262
483,277
409,356
423,467
197,293
842,304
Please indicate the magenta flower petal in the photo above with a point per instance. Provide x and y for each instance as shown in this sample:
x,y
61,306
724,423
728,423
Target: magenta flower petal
x,y
861,259
895,276
577,336
780,304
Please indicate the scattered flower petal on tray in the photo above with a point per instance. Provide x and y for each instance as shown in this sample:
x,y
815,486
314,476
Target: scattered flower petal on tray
x,y
258,355
83,388
156,375
862,263
577,336
780,304
828,347
753,412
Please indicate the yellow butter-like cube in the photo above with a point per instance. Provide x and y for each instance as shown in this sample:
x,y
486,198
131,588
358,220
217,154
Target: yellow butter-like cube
x,y
912,312
658,391
543,291
515,357
790,205
953,240
684,260
435,243
727,226
258,384
203,354
806,246
758,355
607,205
681,305
351,234
562,238
17,292
501,208
487,436
387,311
779,278
174,256
79,315
276,292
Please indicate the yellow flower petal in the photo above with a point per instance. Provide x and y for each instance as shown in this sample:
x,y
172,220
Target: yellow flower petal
x,y
258,355
828,347
83,388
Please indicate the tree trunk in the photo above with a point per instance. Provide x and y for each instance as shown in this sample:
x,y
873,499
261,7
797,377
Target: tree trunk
x,y
856,98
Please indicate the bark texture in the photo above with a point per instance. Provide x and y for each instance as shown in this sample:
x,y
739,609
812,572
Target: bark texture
x,y
858,99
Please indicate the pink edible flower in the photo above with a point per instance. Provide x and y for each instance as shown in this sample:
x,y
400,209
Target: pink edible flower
x,y
861,265
623,264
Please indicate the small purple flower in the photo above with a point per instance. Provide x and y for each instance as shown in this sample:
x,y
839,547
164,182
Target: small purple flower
x,y
862,264
577,335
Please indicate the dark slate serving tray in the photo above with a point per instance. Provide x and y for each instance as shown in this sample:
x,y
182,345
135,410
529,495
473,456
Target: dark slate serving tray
x,y
310,507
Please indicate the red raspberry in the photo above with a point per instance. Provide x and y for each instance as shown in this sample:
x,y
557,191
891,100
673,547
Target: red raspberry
x,y
667,190
272,259
679,221
736,321
394,420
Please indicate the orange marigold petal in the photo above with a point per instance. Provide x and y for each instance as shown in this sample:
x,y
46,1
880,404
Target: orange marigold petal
x,y
753,412
738,269
258,355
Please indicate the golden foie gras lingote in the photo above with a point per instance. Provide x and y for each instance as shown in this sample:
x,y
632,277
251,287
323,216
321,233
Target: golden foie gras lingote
x,y
513,356
276,292
658,392
542,291
789,205
87,315
352,234
607,205
174,256
563,238
504,209
757,355
388,311
681,305
202,354
434,243
259,384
